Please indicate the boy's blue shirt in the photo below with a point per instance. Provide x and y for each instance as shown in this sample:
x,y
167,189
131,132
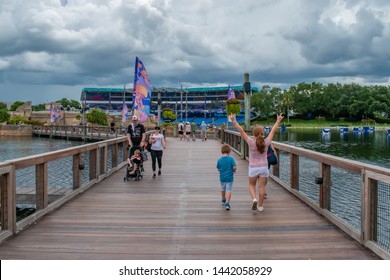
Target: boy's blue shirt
x,y
225,166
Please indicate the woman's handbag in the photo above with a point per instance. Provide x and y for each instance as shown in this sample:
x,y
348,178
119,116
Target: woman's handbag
x,y
149,147
271,157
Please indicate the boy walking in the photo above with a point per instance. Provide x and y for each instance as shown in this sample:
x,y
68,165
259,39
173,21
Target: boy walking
x,y
226,166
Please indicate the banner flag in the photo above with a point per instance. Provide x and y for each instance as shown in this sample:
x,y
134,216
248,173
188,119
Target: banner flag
x,y
142,91
231,93
52,114
58,114
125,112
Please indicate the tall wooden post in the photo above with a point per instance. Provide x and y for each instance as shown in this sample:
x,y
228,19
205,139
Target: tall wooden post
x,y
247,100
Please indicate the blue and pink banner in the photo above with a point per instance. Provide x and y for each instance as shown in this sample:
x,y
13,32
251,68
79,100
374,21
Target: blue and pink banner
x,y
125,112
52,114
231,93
142,91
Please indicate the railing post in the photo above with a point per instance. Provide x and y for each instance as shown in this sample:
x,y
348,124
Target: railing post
x,y
370,209
114,158
325,187
294,172
42,196
77,167
93,164
8,198
276,167
102,160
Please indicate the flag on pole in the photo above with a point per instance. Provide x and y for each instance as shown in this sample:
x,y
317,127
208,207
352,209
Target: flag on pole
x,y
52,114
58,114
142,91
125,112
231,93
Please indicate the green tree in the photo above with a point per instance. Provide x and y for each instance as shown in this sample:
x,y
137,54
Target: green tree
x,y
331,99
39,107
15,105
3,105
4,116
97,116
71,103
18,120
168,114
262,101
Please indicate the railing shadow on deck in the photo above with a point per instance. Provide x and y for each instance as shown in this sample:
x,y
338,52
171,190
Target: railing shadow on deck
x,y
33,186
328,183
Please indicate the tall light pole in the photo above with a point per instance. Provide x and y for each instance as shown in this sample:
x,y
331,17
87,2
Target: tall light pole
x,y
247,100
181,103
159,108
186,106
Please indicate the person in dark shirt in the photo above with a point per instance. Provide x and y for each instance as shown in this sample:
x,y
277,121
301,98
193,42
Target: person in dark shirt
x,y
135,135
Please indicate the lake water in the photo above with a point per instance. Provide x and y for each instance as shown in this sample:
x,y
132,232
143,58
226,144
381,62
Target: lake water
x,y
12,147
370,147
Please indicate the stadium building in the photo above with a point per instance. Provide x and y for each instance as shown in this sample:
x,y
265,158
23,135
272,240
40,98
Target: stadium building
x,y
190,104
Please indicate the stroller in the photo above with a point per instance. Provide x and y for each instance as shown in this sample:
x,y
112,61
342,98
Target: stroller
x,y
135,168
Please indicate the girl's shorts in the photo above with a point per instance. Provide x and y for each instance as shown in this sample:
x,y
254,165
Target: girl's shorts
x,y
226,186
261,171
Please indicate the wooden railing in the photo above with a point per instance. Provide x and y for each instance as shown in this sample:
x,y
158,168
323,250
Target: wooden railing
x,y
51,179
329,183
86,133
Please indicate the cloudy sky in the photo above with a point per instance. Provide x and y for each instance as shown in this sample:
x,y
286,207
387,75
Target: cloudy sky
x,y
51,49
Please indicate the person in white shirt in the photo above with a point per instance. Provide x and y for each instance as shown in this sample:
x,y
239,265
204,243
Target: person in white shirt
x,y
203,128
181,130
187,127
158,145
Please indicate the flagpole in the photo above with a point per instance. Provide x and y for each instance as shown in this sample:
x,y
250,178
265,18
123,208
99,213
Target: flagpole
x,y
186,106
181,103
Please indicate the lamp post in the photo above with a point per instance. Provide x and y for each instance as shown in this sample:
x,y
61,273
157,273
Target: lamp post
x,y
181,103
159,108
247,100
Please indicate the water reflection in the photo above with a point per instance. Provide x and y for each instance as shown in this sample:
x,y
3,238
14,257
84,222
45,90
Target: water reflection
x,y
12,147
371,147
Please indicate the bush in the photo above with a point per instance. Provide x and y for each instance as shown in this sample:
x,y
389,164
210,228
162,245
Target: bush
x,y
233,106
368,121
381,120
97,116
18,120
4,116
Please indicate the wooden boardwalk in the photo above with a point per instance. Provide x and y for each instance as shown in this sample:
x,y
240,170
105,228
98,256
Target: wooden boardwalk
x,y
178,216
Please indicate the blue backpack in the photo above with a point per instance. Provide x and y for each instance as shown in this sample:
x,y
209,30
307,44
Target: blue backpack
x,y
271,157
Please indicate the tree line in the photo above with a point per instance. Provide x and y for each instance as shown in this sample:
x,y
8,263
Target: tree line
x,y
333,101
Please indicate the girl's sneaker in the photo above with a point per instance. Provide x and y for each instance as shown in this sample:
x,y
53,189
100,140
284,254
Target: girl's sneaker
x,y
254,205
227,206
223,201
260,208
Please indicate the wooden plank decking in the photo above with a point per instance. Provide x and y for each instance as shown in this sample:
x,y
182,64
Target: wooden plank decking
x,y
178,216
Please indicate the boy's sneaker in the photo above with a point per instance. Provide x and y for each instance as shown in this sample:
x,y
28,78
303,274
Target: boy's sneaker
x,y
227,206
260,208
254,204
223,201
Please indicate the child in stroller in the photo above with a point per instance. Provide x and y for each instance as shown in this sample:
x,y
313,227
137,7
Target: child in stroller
x,y
135,167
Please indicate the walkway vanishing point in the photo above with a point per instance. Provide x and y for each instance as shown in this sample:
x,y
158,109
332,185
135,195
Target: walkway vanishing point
x,y
179,216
